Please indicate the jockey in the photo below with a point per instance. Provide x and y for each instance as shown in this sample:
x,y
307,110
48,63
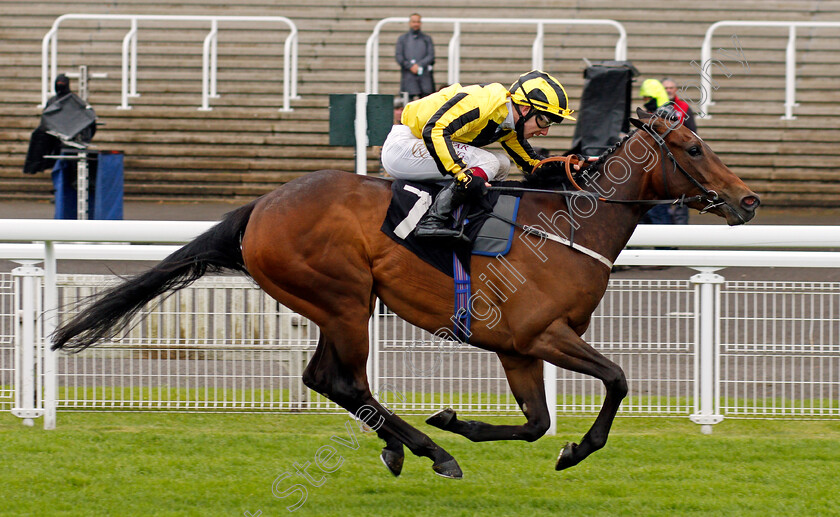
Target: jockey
x,y
442,135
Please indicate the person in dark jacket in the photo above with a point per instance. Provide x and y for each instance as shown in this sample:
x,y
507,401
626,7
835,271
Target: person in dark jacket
x,y
415,54
42,143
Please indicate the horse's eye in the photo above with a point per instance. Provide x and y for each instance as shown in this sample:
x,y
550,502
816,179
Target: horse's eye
x,y
695,150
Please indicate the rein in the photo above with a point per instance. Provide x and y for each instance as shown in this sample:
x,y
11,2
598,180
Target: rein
x,y
680,201
708,196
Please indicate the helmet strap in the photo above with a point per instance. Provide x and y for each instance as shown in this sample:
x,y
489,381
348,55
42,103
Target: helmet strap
x,y
520,124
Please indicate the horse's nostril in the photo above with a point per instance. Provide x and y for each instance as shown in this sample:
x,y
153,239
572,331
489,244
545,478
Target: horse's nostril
x,y
750,202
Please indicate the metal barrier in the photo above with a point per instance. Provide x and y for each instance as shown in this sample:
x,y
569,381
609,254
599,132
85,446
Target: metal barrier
x,y
49,53
454,48
699,347
7,340
790,60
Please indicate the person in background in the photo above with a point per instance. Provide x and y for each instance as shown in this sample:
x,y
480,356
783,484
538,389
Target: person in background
x,y
653,94
41,142
679,214
683,109
399,106
654,97
415,54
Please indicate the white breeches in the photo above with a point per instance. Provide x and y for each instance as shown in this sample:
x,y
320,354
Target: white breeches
x,y
405,157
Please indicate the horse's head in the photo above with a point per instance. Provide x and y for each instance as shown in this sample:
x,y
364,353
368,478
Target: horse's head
x,y
694,171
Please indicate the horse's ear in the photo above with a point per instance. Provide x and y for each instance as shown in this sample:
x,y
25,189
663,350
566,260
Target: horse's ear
x,y
636,122
642,114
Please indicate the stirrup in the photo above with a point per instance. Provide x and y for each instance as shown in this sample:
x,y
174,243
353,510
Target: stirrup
x,y
441,232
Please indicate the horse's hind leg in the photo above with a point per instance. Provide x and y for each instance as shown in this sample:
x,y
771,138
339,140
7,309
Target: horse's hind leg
x,y
525,378
392,455
337,371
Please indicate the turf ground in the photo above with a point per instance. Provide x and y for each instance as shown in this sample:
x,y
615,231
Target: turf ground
x,y
233,464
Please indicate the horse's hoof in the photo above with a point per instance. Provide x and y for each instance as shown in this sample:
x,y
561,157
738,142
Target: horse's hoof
x,y
564,460
393,461
442,418
448,469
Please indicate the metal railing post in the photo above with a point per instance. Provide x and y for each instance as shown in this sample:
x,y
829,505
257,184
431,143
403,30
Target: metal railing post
x,y
454,54
706,349
294,58
289,74
133,57
706,79
53,61
46,86
126,71
28,305
206,64
550,382
360,126
82,180
537,48
790,75
214,43
373,357
50,324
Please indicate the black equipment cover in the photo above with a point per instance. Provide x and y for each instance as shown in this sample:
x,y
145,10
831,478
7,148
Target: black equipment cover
x,y
604,106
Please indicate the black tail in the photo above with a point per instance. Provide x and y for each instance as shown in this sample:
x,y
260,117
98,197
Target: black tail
x,y
215,250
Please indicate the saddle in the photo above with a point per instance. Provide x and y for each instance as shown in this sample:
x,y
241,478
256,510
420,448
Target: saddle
x,y
487,235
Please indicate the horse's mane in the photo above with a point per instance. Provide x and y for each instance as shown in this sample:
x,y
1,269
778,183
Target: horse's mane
x,y
560,180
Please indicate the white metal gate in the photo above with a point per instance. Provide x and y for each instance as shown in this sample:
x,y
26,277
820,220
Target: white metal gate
x,y
700,347
780,349
224,345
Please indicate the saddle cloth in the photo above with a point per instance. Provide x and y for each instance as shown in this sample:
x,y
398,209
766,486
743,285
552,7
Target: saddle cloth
x,y
488,236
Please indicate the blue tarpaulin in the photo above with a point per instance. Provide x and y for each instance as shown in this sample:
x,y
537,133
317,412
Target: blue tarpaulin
x,y
105,190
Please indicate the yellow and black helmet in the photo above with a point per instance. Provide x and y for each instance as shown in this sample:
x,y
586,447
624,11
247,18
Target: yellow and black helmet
x,y
543,93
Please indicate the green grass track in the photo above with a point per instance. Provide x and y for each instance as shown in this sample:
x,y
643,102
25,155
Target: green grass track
x,y
139,464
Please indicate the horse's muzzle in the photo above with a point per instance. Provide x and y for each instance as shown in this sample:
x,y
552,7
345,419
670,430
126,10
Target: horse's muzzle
x,y
744,211
750,203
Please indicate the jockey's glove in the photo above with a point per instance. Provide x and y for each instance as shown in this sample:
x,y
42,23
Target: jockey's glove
x,y
474,185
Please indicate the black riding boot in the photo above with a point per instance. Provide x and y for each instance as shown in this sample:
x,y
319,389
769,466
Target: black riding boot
x,y
438,220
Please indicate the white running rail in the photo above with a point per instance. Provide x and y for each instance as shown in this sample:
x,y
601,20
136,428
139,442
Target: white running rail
x,y
46,240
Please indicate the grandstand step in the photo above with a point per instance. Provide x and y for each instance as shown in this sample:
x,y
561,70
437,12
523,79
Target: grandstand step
x,y
244,144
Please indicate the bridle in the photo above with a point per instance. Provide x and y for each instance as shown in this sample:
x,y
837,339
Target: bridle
x,y
708,196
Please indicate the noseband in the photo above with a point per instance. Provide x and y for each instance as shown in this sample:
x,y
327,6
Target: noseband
x,y
710,197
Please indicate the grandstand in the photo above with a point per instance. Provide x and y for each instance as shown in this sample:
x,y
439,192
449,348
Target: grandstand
x,y
245,146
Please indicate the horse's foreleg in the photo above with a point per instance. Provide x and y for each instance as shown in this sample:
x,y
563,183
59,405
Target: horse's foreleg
x,y
338,372
561,346
525,378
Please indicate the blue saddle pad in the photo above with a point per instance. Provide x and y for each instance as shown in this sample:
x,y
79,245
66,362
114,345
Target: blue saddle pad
x,y
488,236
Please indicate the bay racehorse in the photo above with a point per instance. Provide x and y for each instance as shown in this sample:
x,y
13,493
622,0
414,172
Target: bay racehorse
x,y
315,245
